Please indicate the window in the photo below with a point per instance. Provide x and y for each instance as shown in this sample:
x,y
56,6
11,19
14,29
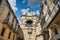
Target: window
x,y
48,36
45,2
56,31
13,37
9,35
7,18
29,32
0,2
29,23
12,22
58,5
3,31
8,14
49,13
15,24
43,21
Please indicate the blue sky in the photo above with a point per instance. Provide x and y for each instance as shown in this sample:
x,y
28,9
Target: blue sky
x,y
18,5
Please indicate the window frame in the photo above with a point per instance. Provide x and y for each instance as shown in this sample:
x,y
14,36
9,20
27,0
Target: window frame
x,y
9,35
2,33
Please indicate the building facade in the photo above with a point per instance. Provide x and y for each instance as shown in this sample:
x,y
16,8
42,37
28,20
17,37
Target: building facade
x,y
20,34
30,26
8,22
50,19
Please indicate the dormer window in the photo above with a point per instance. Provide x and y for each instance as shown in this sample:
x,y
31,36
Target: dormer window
x,y
29,23
0,2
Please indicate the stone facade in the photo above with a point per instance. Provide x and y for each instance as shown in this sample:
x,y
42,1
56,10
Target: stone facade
x,y
49,19
30,26
8,23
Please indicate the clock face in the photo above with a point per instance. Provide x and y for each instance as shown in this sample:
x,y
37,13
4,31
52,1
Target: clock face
x,y
29,23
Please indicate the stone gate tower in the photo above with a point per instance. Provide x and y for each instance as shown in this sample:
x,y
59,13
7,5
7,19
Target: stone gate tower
x,y
30,26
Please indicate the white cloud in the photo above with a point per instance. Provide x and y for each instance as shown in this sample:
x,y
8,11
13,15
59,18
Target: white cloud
x,y
13,5
24,10
33,12
37,12
34,2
